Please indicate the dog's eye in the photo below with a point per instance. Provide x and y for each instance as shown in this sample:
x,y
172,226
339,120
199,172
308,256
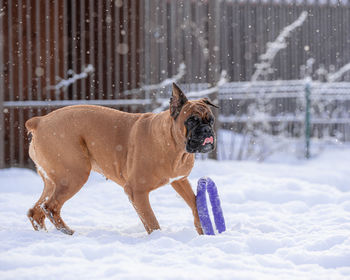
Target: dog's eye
x,y
211,120
192,121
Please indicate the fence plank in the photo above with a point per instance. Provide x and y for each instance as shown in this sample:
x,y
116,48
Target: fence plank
x,y
100,47
56,48
162,42
74,45
11,82
133,43
180,35
82,48
2,87
125,41
65,45
109,72
29,64
20,72
187,40
140,48
47,39
116,36
214,54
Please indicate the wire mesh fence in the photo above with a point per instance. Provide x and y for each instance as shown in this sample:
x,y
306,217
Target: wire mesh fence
x,y
264,116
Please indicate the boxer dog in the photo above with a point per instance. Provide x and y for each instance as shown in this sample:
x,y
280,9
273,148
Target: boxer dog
x,y
140,152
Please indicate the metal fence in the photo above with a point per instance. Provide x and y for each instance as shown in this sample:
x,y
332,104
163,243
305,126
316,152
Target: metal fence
x,y
106,48
296,109
282,104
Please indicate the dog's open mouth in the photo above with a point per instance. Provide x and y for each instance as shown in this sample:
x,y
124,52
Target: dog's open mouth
x,y
208,140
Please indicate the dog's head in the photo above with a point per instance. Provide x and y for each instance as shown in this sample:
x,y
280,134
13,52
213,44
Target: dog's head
x,y
194,122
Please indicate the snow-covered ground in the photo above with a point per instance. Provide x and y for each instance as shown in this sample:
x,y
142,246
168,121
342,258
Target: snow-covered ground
x,y
284,221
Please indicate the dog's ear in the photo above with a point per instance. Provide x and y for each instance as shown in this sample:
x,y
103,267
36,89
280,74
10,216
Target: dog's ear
x,y
177,100
207,101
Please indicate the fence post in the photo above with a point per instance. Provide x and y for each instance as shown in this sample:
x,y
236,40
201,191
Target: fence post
x,y
214,57
2,91
307,119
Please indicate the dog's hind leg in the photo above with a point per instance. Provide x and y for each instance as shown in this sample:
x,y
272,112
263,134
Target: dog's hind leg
x,y
66,186
63,160
36,214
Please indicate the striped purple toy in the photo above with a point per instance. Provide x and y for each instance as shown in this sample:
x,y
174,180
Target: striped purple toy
x,y
205,184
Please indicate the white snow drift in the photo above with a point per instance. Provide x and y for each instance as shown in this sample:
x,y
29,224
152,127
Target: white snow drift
x,y
284,221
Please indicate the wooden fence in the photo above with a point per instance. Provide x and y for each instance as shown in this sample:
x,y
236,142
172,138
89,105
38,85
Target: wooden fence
x,y
133,43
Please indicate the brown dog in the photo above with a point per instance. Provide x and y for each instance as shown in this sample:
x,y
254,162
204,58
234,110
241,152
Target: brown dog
x,y
140,152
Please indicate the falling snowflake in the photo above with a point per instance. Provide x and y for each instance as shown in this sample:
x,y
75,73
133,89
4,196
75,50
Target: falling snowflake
x,y
39,71
122,48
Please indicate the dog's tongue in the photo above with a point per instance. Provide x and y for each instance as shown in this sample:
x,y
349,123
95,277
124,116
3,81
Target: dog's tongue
x,y
208,140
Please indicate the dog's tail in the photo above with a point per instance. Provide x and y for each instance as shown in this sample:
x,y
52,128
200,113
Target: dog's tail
x,y
32,124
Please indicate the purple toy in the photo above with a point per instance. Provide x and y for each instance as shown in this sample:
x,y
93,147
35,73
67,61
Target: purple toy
x,y
206,184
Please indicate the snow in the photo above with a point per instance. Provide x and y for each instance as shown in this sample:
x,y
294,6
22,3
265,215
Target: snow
x,y
285,220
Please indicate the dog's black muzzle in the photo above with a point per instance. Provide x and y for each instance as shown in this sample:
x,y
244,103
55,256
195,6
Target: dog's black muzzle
x,y
201,139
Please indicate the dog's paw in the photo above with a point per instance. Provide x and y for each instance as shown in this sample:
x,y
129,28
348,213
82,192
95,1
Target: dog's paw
x,y
66,231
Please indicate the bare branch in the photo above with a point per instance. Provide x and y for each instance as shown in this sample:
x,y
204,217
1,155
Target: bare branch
x,y
273,48
64,83
163,84
169,81
333,77
223,80
164,103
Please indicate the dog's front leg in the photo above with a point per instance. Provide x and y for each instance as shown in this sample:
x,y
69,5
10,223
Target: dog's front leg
x,y
183,188
140,201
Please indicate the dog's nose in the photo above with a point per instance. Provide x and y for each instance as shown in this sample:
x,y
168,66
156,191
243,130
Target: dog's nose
x,y
206,129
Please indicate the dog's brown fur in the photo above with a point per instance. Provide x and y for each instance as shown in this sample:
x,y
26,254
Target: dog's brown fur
x,y
140,152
